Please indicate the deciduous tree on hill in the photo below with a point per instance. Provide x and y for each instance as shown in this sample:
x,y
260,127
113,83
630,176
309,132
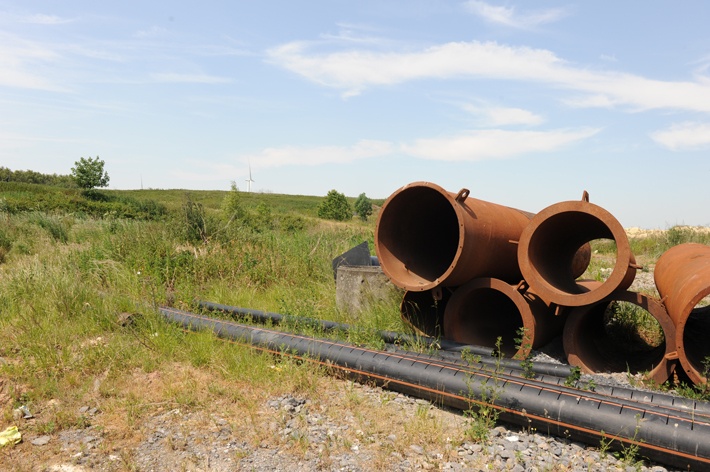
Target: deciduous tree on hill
x,y
89,173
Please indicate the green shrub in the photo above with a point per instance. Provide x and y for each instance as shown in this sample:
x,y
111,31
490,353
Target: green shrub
x,y
194,221
363,207
335,207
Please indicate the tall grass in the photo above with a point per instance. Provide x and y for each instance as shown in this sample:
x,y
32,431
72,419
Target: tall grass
x,y
78,297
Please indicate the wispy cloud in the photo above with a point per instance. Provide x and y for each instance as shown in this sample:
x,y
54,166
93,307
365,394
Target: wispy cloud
x,y
685,136
473,145
509,16
292,155
42,19
21,62
176,78
152,32
353,71
492,116
481,145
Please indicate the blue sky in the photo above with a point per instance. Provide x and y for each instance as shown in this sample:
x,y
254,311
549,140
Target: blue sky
x,y
524,103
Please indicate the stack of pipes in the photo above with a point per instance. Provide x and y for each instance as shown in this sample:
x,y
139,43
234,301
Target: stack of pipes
x,y
476,272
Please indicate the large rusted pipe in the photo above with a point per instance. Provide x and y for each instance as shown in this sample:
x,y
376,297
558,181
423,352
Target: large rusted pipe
x,y
549,244
593,348
486,308
682,276
426,237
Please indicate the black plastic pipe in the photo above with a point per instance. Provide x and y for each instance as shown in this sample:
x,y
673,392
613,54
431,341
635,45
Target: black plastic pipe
x,y
556,374
584,416
670,403
445,347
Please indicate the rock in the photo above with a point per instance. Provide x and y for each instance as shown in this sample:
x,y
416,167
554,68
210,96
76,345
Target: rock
x,y
41,440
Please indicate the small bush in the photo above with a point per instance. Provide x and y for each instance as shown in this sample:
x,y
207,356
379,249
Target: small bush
x,y
335,207
363,207
194,221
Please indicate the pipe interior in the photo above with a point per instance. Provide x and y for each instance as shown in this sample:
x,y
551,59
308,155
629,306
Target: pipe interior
x,y
483,316
418,236
695,340
620,336
555,242
423,312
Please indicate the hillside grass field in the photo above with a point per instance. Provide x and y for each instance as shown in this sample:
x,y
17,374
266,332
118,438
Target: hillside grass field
x,y
82,274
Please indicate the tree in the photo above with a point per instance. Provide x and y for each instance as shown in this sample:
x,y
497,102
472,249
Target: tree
x,y
232,204
363,206
335,207
89,173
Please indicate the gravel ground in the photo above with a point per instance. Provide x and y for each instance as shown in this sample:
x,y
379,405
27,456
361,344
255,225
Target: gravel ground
x,y
300,435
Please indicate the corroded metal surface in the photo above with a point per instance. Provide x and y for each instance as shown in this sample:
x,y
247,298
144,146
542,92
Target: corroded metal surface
x,y
549,244
682,276
427,237
590,346
487,308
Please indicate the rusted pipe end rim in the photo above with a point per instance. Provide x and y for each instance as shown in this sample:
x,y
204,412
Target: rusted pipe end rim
x,y
624,269
455,314
693,367
575,333
396,269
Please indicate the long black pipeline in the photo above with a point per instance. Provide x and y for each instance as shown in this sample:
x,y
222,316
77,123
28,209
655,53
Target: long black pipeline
x,y
583,416
556,374
447,348
683,406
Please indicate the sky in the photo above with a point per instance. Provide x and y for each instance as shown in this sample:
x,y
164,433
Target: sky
x,y
526,104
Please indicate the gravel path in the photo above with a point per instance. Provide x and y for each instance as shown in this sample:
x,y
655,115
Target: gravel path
x,y
297,433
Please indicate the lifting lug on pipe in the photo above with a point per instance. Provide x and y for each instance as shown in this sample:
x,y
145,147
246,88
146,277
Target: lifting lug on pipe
x,y
549,244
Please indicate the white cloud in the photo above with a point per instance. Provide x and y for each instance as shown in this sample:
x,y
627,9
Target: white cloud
x,y
171,77
481,145
684,136
355,70
21,61
42,19
292,155
508,16
152,32
473,145
503,116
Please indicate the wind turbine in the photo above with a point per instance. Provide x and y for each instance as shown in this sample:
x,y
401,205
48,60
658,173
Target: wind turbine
x,y
249,180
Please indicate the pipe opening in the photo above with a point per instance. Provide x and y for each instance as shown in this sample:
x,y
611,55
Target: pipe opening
x,y
695,339
418,236
423,313
557,240
483,316
620,336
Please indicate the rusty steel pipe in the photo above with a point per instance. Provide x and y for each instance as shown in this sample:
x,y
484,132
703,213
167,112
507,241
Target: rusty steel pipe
x,y
486,308
682,276
549,244
427,237
589,346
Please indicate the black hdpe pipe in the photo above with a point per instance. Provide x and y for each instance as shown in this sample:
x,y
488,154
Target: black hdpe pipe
x,y
446,348
452,352
679,405
554,374
583,416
